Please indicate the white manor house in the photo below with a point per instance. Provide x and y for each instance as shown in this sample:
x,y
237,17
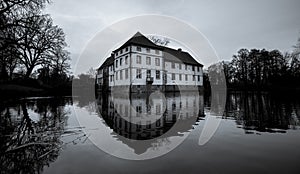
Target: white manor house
x,y
140,65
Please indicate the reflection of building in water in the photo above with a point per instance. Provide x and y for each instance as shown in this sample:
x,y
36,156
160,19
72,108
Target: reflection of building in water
x,y
141,64
143,118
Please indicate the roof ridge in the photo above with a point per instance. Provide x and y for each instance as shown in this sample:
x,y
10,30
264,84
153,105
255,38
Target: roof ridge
x,y
139,39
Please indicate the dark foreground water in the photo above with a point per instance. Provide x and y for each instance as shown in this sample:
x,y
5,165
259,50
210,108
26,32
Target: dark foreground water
x,y
258,133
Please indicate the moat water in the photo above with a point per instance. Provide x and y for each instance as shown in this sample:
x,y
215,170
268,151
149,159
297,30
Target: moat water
x,y
257,133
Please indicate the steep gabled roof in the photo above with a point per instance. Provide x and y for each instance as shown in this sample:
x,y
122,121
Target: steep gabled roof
x,y
169,53
179,56
140,40
107,62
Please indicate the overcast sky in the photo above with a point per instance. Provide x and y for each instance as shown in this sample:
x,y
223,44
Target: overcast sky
x,y
228,24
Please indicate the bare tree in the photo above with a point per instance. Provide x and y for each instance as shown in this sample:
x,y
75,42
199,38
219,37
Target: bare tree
x,y
13,17
42,43
7,5
163,41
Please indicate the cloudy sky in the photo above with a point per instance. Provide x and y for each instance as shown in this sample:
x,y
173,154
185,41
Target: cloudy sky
x,y
228,24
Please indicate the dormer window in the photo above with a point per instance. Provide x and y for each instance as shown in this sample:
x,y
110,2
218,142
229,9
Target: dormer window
x,y
173,65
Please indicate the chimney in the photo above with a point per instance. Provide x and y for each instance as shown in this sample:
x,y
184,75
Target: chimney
x,y
179,49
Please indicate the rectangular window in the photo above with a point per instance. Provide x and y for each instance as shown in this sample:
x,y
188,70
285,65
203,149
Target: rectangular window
x,y
173,65
138,109
158,109
185,67
193,68
157,62
116,63
126,49
121,51
198,68
179,65
148,124
126,73
148,73
148,50
157,123
117,75
180,77
138,73
126,110
193,78
173,76
120,122
121,75
173,106
156,51
138,49
121,107
198,78
121,61
157,74
116,53
126,60
186,77
138,59
148,60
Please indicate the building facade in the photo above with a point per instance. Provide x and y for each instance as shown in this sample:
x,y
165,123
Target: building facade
x,y
141,65
137,119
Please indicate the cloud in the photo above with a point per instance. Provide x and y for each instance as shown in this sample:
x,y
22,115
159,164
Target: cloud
x,y
228,25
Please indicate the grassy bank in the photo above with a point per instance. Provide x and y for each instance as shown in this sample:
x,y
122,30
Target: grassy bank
x,y
18,91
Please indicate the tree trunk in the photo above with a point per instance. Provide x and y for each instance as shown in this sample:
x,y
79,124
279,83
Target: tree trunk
x,y
3,72
28,73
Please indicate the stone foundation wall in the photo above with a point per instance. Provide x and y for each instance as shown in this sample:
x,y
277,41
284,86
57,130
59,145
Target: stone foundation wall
x,y
145,88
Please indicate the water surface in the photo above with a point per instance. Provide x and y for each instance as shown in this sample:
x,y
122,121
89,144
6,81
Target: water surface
x,y
259,133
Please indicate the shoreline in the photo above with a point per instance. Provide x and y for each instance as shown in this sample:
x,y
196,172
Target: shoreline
x,y
12,91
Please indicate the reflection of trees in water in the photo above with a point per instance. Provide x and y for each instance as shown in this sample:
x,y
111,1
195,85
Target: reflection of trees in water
x,y
26,144
263,112
87,102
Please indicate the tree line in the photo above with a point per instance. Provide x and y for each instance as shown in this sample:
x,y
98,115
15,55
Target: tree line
x,y
31,45
260,69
